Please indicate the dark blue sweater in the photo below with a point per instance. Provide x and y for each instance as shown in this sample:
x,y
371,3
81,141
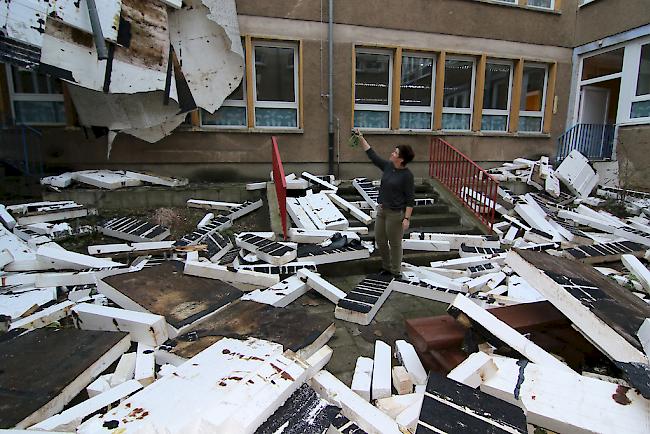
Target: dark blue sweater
x,y
397,189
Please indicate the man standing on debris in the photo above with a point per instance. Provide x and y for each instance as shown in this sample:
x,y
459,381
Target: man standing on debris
x,y
396,200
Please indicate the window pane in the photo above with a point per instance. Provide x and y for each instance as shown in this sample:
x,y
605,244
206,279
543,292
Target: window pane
x,y
23,81
640,109
540,3
603,64
494,123
455,121
531,124
414,121
274,74
643,85
275,117
370,119
532,89
497,86
415,86
372,78
39,112
225,116
458,83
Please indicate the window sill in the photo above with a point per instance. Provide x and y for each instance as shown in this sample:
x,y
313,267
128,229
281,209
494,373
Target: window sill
x,y
454,133
634,123
526,7
585,4
206,129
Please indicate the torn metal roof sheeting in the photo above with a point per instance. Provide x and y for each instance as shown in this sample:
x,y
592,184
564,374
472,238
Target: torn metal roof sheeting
x,y
131,90
209,49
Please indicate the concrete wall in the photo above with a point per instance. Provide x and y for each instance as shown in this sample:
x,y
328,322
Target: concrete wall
x,y
633,154
603,18
479,19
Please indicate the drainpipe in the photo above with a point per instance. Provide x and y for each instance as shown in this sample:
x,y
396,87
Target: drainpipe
x,y
100,44
330,100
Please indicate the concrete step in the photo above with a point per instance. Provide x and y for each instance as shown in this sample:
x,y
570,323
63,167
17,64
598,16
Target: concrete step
x,y
436,208
348,188
373,263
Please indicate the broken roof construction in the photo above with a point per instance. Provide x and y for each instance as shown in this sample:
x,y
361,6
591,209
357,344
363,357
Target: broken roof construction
x,y
169,57
226,329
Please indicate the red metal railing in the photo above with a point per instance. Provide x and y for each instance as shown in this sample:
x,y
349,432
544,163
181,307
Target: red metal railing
x,y
280,184
472,185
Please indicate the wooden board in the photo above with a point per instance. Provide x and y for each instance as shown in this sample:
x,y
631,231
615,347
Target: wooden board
x,y
303,413
290,326
47,367
165,290
611,303
452,407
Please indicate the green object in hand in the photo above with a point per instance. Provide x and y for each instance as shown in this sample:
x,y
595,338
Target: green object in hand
x,y
354,140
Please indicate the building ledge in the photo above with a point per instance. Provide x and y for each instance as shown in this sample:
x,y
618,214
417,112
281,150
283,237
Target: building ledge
x,y
526,7
185,128
455,133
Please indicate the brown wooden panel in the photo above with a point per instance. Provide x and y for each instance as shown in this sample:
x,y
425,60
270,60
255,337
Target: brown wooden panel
x,y
621,310
165,290
444,332
515,101
36,367
250,88
397,79
292,326
195,118
440,88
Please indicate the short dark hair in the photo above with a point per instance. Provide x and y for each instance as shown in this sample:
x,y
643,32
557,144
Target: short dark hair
x,y
406,153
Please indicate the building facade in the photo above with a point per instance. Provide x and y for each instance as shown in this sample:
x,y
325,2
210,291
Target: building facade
x,y
497,79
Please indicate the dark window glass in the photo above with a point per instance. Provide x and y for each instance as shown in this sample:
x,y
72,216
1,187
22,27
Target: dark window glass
x,y
458,83
274,74
603,64
643,84
497,86
372,78
415,85
532,89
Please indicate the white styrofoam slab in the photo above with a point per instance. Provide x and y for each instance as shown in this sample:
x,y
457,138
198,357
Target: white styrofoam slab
x,y
144,327
381,371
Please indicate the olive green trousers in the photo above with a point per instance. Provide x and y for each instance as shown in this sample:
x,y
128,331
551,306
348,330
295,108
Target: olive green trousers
x,y
388,236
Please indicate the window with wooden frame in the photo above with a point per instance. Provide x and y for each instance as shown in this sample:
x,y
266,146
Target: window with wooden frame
x,y
269,94
416,91
496,95
458,93
372,88
36,99
533,97
232,113
276,84
542,4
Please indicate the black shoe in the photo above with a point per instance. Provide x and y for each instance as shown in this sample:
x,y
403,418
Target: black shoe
x,y
397,276
383,272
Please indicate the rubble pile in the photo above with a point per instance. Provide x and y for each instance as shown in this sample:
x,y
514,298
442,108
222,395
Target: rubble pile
x,y
109,179
547,321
